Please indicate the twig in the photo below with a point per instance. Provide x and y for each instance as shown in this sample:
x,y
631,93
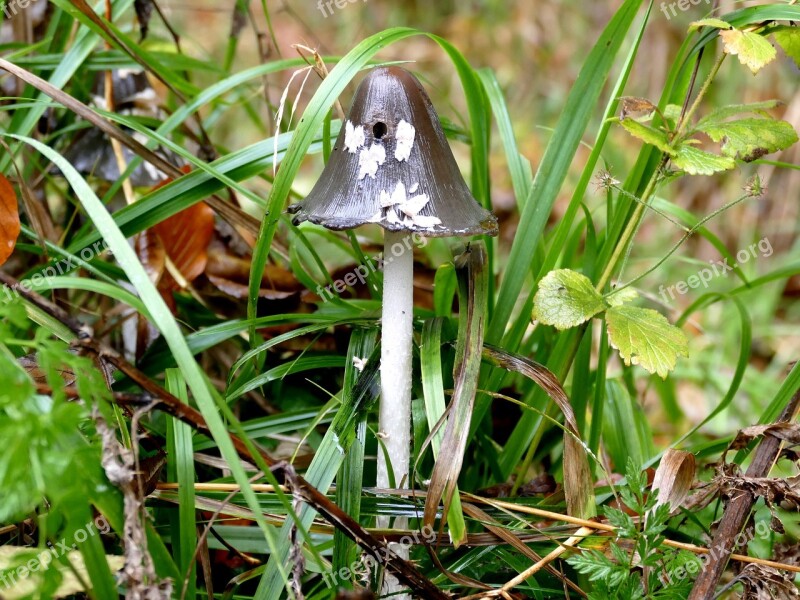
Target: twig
x,y
165,401
553,516
404,570
122,398
738,510
538,566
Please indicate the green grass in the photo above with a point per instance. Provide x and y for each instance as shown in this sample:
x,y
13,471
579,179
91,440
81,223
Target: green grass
x,y
278,375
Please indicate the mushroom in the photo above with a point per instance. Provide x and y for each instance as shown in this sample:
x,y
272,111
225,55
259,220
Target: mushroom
x,y
391,165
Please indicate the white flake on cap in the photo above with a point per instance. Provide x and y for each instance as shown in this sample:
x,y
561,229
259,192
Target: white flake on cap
x,y
412,206
391,217
400,206
386,199
405,140
426,222
353,137
414,187
370,159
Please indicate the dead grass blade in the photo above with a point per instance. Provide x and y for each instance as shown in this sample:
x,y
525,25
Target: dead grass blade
x,y
578,483
473,282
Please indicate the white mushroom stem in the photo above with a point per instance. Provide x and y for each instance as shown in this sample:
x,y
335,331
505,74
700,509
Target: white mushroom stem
x,y
396,351
396,343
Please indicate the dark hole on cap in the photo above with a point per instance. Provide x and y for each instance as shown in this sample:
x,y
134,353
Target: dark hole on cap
x,y
379,130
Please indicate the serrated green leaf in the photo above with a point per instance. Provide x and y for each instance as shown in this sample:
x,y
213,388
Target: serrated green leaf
x,y
621,520
749,139
628,498
699,162
635,476
656,521
750,48
713,23
621,297
725,112
566,299
648,134
619,554
597,566
788,38
644,337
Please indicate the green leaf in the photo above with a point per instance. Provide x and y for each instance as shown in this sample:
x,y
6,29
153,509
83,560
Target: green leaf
x,y
598,566
518,165
180,469
566,299
621,520
621,297
636,478
713,23
788,38
749,139
699,162
644,337
41,445
350,477
556,161
751,49
648,134
725,112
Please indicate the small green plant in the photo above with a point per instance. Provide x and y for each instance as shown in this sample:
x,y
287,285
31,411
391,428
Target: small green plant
x,y
639,566
643,336
212,347
50,466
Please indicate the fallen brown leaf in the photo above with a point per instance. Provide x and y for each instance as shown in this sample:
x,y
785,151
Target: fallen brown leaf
x,y
674,477
9,219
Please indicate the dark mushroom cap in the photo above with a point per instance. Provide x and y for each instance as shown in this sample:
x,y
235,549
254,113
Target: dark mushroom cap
x,y
391,165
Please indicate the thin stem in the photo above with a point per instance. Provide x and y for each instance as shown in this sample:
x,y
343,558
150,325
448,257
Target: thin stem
x,y
397,328
633,224
688,233
396,346
687,118
627,234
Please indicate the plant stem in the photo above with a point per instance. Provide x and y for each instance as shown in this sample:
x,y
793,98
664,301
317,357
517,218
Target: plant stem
x,y
633,224
687,118
689,232
627,234
396,344
397,328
